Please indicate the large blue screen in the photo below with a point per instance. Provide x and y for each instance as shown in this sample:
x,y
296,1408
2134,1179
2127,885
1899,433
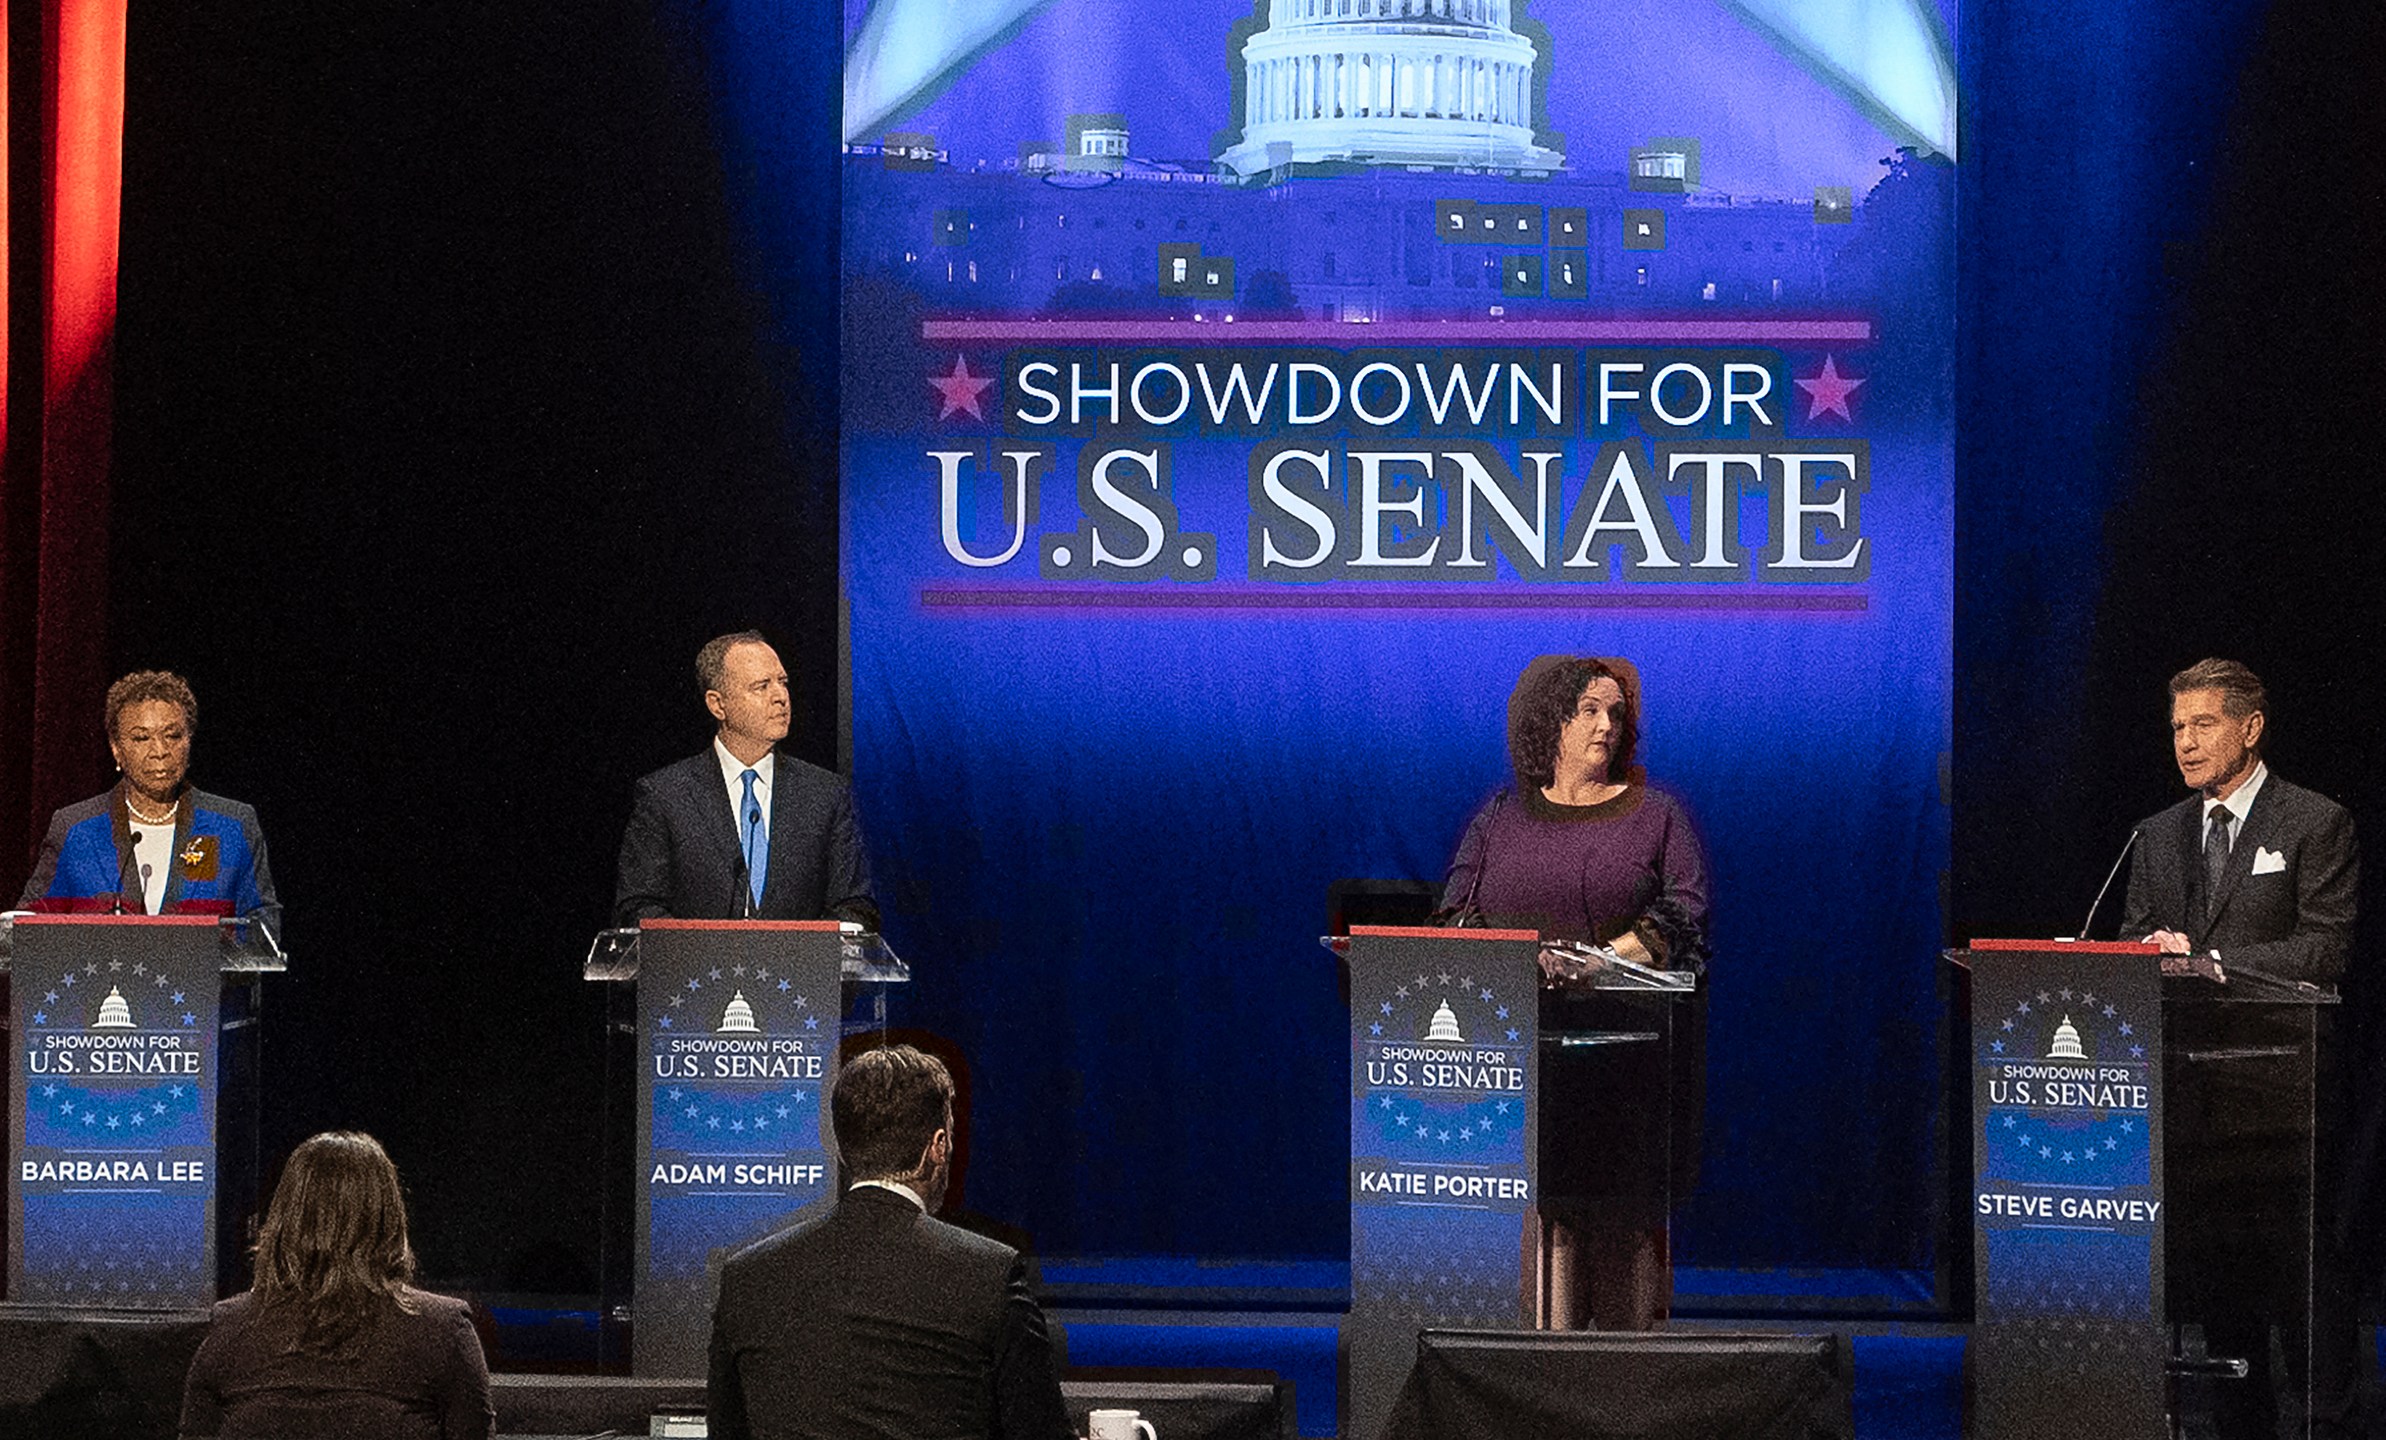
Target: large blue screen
x,y
1235,399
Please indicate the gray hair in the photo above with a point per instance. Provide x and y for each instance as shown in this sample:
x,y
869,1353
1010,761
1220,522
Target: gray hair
x,y
2241,692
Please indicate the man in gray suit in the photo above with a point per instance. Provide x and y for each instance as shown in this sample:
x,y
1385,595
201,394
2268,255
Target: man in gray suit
x,y
743,831
877,1319
2251,877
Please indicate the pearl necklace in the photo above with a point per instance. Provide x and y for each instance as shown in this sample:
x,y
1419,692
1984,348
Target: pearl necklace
x,y
134,809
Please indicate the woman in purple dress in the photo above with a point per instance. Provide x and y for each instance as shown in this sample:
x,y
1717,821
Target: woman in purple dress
x,y
1582,848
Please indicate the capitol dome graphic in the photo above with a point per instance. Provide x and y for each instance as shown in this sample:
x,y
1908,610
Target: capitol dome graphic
x,y
114,1014
1436,83
737,1017
1443,1029
2066,1046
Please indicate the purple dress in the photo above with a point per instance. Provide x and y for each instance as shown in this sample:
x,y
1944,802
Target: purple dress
x,y
1587,872
1613,1149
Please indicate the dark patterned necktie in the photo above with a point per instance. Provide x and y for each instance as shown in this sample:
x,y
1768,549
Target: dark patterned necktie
x,y
2216,857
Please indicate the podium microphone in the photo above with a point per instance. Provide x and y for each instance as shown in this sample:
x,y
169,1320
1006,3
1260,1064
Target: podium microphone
x,y
744,908
2108,883
132,852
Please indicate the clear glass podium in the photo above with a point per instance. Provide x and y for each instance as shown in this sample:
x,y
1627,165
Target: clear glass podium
x,y
869,965
2253,1138
2214,1291
739,1028
1621,1083
249,945
222,1078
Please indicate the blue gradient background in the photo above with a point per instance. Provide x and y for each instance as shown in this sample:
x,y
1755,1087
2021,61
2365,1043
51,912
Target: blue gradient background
x,y
1105,838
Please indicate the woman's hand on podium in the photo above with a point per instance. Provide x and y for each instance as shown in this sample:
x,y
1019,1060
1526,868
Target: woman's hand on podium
x,y
1574,965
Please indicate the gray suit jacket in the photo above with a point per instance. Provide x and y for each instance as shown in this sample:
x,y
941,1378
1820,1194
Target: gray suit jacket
x,y
876,1322
680,854
2294,920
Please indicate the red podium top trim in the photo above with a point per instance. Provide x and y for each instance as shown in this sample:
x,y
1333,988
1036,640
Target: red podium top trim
x,y
2084,947
63,918
660,922
1439,932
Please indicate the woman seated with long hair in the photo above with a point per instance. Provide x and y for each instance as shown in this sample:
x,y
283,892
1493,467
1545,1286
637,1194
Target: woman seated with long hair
x,y
333,1341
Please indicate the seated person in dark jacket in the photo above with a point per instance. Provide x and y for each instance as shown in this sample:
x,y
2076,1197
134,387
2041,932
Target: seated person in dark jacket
x,y
333,1341
877,1319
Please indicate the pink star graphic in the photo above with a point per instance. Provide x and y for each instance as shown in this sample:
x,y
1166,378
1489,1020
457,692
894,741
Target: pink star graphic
x,y
961,390
1829,391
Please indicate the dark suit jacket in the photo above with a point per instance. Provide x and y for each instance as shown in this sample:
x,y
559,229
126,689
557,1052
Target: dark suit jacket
x,y
2295,921
878,1321
680,855
411,1377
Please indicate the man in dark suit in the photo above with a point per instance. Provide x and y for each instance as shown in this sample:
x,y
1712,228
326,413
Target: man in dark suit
x,y
2250,869
2251,877
743,831
877,1319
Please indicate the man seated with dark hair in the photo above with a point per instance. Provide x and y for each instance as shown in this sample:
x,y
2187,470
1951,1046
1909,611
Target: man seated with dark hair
x,y
877,1319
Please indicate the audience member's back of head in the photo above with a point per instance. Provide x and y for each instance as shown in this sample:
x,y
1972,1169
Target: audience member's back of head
x,y
333,1253
887,1105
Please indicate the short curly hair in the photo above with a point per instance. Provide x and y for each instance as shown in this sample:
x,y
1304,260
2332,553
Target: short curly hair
x,y
145,685
1547,695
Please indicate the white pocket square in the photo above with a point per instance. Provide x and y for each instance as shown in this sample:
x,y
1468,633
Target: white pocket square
x,y
2267,861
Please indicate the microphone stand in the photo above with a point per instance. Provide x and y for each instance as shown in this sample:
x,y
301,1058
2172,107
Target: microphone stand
x,y
2106,888
132,852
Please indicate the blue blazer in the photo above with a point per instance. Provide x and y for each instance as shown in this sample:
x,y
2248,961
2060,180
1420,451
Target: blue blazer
x,y
218,861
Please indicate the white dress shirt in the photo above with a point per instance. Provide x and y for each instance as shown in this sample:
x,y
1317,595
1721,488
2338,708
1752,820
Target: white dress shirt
x,y
156,852
903,1190
733,775
2239,804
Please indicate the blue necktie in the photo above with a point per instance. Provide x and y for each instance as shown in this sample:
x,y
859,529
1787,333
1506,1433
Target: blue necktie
x,y
756,837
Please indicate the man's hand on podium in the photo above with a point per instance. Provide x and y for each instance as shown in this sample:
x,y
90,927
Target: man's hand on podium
x,y
2176,959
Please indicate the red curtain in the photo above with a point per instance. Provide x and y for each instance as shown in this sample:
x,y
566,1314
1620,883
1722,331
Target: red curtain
x,y
62,107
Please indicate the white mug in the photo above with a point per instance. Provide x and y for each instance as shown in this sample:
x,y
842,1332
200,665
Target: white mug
x,y
1118,1425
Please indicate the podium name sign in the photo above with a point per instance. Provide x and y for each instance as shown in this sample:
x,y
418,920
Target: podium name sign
x,y
2067,1204
739,1022
1442,1089
111,1185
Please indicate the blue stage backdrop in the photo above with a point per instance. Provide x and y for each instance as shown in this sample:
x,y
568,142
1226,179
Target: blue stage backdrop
x,y
1235,398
